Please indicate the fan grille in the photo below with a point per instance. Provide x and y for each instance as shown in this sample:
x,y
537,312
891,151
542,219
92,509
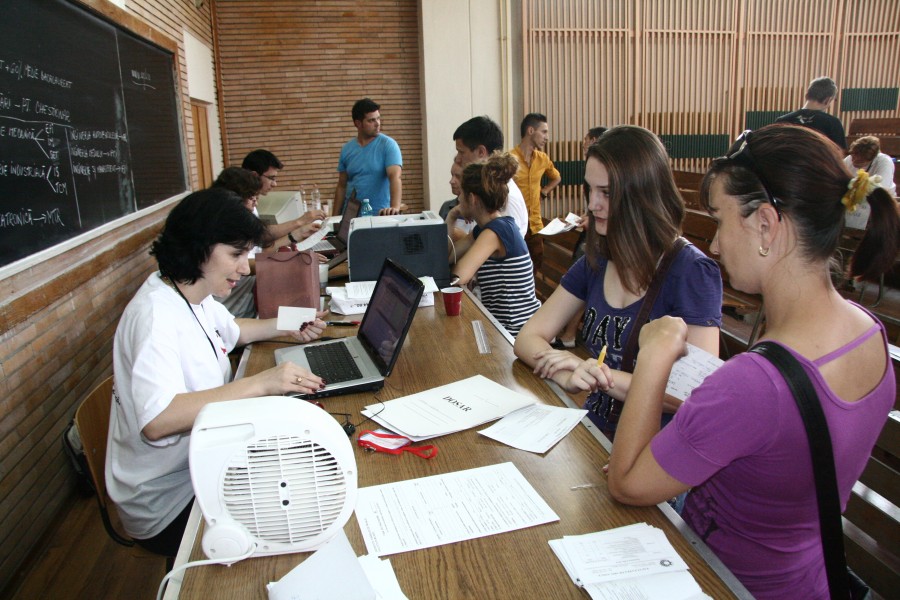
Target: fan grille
x,y
284,489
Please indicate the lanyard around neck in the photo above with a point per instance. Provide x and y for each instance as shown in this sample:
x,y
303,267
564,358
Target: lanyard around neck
x,y
171,282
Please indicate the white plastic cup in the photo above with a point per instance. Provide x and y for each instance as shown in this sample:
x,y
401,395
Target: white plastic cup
x,y
323,275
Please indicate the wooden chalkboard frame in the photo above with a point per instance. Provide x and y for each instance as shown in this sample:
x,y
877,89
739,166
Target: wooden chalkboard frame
x,y
130,24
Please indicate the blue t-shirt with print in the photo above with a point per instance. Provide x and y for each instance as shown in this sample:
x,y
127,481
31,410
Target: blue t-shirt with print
x,y
692,290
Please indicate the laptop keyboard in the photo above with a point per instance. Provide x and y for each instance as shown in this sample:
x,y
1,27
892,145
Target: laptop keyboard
x,y
323,246
332,362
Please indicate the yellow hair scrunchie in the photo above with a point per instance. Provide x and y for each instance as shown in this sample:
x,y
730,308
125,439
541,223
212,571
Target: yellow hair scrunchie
x,y
859,187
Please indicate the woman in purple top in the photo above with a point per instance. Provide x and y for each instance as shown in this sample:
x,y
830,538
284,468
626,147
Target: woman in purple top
x,y
634,218
779,197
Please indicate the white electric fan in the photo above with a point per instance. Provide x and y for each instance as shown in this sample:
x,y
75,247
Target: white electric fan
x,y
272,475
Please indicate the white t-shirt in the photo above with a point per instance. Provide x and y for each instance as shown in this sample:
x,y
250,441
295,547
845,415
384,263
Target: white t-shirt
x,y
515,207
882,165
160,351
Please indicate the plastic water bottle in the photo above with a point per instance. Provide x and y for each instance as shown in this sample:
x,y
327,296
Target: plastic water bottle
x,y
366,209
301,200
315,199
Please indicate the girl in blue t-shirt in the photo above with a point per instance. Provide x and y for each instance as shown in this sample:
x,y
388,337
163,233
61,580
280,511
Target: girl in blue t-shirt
x,y
494,250
634,218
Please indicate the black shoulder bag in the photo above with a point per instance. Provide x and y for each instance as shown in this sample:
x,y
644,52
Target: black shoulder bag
x,y
842,582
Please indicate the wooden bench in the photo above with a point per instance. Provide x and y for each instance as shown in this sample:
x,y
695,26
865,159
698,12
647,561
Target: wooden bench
x,y
688,183
558,251
872,519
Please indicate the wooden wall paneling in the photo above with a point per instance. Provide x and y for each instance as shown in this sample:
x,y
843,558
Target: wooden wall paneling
x,y
291,71
697,68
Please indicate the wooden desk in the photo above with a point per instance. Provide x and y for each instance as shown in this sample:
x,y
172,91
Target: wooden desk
x,y
516,565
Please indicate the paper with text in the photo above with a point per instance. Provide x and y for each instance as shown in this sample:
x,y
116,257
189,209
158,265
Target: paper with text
x,y
448,408
443,509
535,428
690,370
312,240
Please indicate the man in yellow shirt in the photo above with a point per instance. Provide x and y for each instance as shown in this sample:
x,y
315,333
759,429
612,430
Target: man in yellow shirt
x,y
533,165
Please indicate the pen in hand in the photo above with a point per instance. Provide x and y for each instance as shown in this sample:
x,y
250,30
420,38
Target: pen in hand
x,y
342,323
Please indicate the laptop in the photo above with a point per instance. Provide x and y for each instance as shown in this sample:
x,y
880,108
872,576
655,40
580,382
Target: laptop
x,y
335,246
362,362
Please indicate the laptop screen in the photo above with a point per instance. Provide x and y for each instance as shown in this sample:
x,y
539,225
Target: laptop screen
x,y
350,213
389,314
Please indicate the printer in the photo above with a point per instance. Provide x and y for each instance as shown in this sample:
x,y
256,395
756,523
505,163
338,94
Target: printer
x,y
418,242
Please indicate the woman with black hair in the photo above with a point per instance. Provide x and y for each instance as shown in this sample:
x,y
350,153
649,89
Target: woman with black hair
x,y
780,197
170,358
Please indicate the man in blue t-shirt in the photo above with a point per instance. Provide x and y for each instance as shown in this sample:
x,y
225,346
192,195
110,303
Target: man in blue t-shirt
x,y
370,163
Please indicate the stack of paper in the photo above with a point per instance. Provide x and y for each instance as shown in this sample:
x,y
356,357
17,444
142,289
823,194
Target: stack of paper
x,y
636,562
558,226
353,299
447,409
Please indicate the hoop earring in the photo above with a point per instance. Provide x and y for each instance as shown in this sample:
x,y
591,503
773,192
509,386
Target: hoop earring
x,y
764,252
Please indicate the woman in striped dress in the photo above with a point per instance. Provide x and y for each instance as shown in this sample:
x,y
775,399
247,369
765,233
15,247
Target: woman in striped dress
x,y
494,251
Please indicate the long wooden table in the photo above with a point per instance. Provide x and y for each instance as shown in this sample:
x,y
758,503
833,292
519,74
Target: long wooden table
x,y
515,565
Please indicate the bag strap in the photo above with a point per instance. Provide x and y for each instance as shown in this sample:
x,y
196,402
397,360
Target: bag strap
x,y
823,463
629,354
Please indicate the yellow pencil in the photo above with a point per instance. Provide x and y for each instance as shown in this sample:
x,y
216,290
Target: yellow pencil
x,y
602,356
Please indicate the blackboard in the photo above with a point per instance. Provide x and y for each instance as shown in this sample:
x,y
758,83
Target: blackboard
x,y
89,124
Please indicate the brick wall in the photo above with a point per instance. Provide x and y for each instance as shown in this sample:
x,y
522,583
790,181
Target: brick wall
x,y
291,72
57,320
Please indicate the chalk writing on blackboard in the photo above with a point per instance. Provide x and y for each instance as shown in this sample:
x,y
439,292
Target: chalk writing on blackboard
x,y
90,125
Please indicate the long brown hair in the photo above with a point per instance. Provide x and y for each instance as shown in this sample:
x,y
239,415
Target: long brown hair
x,y
645,208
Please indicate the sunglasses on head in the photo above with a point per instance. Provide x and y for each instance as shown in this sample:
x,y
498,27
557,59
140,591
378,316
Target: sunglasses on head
x,y
740,154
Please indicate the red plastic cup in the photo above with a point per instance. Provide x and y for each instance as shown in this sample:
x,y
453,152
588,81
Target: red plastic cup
x,y
452,300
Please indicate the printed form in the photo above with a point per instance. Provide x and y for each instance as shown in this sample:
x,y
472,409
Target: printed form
x,y
443,509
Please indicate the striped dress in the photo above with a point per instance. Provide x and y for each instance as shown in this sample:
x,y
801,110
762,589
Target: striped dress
x,y
507,284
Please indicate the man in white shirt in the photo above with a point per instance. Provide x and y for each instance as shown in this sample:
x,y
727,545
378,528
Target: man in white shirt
x,y
866,154
478,138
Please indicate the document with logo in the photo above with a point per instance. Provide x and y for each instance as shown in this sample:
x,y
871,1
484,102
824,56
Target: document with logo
x,y
635,562
448,408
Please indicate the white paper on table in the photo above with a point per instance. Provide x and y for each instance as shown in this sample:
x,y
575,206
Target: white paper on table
x,y
290,318
556,226
312,240
632,551
363,290
690,370
535,428
443,509
680,585
448,408
330,573
382,577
